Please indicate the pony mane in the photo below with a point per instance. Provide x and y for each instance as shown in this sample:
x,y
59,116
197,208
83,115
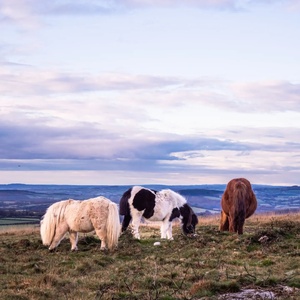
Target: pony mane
x,y
60,209
53,216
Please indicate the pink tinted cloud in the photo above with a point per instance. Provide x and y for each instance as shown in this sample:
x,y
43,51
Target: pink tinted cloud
x,y
268,96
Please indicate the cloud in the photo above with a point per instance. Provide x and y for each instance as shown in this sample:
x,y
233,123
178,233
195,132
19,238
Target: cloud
x,y
19,12
28,13
250,97
31,81
44,143
26,138
108,6
268,96
32,139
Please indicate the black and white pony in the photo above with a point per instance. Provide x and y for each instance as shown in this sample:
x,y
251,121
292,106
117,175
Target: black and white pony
x,y
165,206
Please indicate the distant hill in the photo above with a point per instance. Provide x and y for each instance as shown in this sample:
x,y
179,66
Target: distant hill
x,y
34,199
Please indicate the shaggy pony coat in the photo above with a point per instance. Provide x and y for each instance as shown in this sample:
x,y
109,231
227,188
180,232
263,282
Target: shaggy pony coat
x,y
165,205
73,216
238,203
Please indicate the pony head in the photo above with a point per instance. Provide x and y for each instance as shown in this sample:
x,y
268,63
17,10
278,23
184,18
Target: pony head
x,y
189,219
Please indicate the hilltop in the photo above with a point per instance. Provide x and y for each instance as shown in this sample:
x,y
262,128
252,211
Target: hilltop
x,y
212,265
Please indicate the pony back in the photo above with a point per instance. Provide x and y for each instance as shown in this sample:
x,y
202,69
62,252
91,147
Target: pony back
x,y
177,199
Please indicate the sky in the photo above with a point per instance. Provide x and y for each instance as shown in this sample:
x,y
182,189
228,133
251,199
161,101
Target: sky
x,y
121,92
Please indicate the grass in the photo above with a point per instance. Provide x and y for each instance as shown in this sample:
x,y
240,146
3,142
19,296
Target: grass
x,y
266,257
15,221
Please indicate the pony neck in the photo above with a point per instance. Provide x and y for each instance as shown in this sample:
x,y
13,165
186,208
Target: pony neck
x,y
185,213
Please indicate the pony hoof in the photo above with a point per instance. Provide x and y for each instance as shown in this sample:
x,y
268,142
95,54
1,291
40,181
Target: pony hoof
x,y
193,235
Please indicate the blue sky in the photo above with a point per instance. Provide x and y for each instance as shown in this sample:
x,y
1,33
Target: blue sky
x,y
140,92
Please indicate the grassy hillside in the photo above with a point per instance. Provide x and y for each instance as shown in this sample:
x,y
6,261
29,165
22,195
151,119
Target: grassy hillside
x,y
265,258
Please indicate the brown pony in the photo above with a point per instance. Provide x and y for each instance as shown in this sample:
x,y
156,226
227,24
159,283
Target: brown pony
x,y
238,203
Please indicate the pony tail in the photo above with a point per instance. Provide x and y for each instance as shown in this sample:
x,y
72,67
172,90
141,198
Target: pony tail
x,y
113,226
240,193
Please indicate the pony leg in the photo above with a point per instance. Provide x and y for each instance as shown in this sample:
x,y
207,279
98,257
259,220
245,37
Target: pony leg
x,y
236,224
60,232
240,225
232,224
169,232
224,223
73,240
101,233
135,227
166,230
240,228
126,221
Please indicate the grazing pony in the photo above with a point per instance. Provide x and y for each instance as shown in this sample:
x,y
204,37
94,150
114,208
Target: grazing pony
x,y
238,203
73,216
165,206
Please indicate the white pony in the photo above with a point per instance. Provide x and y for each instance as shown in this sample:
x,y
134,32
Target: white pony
x,y
166,205
73,216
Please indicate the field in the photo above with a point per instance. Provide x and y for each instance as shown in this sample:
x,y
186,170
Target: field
x,y
11,224
17,221
264,262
